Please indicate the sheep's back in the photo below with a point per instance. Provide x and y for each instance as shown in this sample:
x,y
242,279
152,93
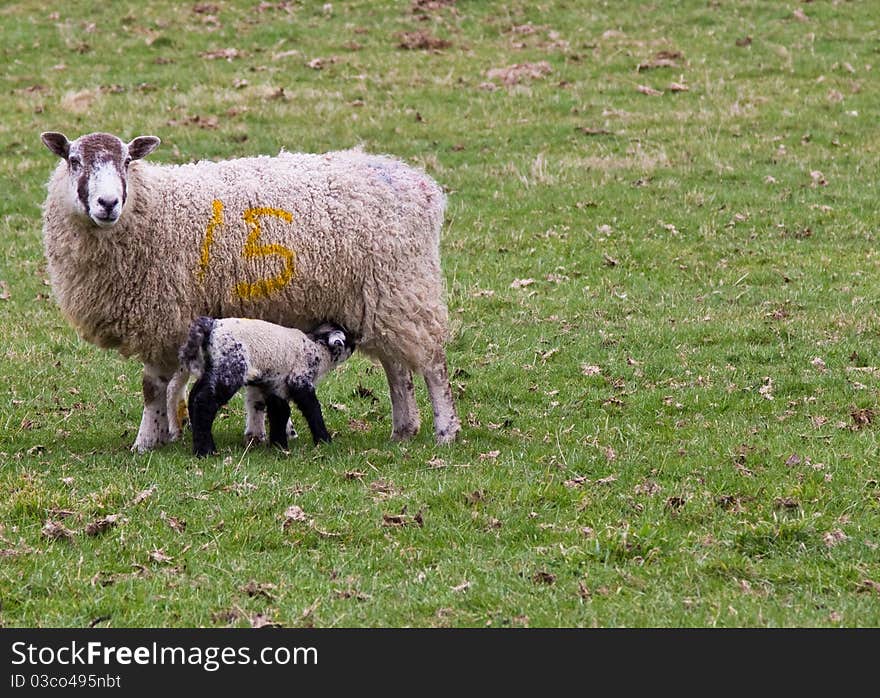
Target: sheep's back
x,y
269,348
337,235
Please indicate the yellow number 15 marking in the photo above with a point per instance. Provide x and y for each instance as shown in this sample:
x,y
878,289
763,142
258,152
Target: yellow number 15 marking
x,y
251,250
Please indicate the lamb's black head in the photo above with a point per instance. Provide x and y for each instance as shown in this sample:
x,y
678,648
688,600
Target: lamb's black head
x,y
340,342
97,168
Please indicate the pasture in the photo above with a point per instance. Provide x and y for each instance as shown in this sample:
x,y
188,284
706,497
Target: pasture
x,y
661,269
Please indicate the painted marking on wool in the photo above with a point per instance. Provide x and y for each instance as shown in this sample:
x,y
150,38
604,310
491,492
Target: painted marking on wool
x,y
252,249
215,222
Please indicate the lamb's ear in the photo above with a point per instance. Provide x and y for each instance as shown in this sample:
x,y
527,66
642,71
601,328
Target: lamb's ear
x,y
57,143
142,146
336,339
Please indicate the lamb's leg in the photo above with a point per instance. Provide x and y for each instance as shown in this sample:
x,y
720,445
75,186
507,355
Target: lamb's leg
x,y
255,415
176,407
154,422
203,407
307,402
279,416
446,422
404,410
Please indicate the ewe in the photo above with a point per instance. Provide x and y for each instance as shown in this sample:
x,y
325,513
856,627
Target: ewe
x,y
135,251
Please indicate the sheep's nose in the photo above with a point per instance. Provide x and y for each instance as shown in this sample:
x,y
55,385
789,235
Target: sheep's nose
x,y
109,204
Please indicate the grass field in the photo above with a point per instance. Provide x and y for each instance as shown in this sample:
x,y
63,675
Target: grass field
x,y
662,279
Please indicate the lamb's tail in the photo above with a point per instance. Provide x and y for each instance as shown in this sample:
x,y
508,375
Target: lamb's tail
x,y
192,354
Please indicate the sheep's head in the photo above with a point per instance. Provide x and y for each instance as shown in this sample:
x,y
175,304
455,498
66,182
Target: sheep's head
x,y
97,168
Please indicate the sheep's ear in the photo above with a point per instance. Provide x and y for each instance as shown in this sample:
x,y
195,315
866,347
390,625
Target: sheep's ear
x,y
57,143
142,146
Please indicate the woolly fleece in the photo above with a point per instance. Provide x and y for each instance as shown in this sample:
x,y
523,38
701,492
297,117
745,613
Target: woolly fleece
x,y
364,231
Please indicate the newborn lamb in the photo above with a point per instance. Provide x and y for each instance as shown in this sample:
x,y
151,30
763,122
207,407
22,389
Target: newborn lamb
x,y
275,363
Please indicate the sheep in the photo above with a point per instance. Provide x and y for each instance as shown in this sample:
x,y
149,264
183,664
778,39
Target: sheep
x,y
277,364
135,251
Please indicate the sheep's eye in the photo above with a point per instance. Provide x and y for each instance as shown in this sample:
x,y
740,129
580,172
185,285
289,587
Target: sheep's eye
x,y
74,163
127,161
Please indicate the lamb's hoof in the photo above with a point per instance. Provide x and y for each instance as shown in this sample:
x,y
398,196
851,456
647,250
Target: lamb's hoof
x,y
254,439
205,450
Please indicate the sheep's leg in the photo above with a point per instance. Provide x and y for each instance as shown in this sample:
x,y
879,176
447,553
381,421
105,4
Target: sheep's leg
x,y
255,415
446,422
176,404
404,410
279,415
153,431
307,402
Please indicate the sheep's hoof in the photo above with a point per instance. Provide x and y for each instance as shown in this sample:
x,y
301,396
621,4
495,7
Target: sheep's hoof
x,y
151,434
447,436
142,446
141,449
405,432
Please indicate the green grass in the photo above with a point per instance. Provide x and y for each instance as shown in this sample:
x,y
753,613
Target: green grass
x,y
698,247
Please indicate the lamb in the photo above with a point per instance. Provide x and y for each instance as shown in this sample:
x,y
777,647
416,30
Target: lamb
x,y
277,364
135,251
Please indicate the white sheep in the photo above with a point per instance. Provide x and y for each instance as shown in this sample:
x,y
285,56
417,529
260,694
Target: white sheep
x,y
277,364
135,251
